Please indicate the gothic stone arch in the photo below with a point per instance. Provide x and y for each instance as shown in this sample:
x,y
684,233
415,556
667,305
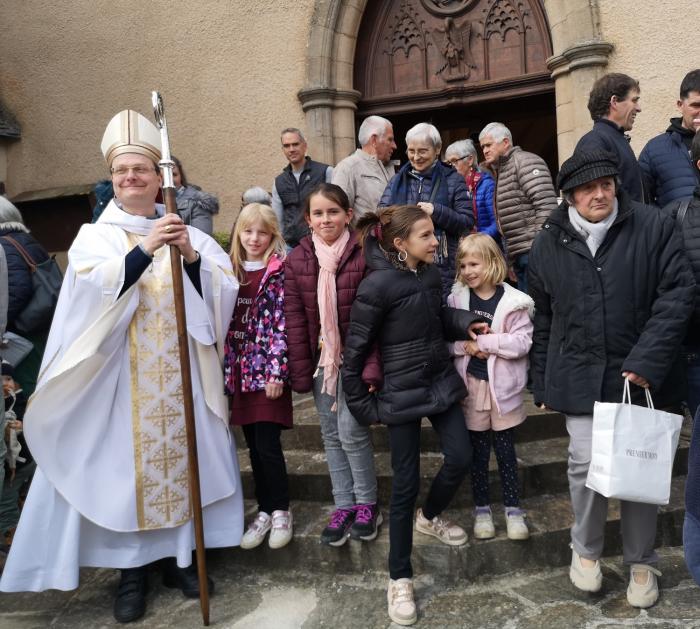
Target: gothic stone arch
x,y
579,56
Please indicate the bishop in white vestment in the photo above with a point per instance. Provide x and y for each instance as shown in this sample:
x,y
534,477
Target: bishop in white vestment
x,y
106,423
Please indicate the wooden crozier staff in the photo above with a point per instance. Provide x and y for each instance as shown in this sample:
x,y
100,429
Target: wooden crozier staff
x,y
166,166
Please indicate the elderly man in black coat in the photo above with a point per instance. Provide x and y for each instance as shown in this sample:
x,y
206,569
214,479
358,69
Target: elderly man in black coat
x,y
613,294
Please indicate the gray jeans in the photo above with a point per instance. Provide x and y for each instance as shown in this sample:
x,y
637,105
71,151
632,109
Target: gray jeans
x,y
638,520
349,450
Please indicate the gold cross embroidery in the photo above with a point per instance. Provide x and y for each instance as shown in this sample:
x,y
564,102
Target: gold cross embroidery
x,y
162,373
167,503
163,415
160,331
167,459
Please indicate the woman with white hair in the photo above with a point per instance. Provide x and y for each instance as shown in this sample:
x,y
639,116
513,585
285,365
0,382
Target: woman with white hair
x,y
438,190
462,156
19,280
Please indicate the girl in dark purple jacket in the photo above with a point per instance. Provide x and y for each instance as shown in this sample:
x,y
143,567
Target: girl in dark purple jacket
x,y
322,275
255,368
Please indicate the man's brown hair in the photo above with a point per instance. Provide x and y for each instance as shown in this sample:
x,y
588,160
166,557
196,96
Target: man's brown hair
x,y
607,86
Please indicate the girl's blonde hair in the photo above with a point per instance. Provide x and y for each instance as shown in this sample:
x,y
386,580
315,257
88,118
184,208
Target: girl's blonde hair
x,y
484,247
250,214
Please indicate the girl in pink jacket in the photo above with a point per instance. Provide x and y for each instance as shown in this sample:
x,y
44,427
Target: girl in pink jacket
x,y
494,368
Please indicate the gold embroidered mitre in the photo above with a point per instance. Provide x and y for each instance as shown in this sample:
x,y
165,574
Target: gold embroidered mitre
x,y
130,132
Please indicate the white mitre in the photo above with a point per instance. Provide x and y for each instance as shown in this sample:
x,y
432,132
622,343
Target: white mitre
x,y
130,132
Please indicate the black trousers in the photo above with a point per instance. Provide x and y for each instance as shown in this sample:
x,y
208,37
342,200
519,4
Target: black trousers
x,y
404,440
269,467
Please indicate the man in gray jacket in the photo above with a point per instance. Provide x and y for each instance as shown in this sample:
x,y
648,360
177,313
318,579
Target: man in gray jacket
x,y
524,194
365,174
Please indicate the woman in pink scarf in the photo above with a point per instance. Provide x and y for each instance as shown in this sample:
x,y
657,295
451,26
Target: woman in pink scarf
x,y
321,278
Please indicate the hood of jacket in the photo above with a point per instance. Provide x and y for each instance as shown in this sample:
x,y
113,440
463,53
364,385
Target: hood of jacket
x,y
512,300
676,126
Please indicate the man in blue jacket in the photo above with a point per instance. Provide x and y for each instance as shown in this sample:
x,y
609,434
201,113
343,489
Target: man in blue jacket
x,y
614,105
668,170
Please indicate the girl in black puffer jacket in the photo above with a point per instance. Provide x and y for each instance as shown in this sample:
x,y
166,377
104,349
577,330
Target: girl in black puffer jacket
x,y
398,306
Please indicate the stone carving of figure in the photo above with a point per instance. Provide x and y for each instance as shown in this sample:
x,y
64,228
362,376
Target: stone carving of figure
x,y
453,42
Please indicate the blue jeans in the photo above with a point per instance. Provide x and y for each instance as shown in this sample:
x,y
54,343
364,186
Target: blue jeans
x,y
691,525
520,268
692,358
348,447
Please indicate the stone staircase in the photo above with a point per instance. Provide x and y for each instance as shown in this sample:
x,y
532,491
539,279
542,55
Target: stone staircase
x,y
542,453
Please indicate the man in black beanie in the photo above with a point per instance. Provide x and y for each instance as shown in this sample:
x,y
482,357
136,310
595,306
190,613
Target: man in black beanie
x,y
613,292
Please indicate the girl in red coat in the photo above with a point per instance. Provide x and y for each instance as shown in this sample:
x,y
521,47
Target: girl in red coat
x,y
255,368
321,278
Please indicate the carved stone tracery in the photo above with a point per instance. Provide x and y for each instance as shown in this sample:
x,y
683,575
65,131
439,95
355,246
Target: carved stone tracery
x,y
407,30
503,16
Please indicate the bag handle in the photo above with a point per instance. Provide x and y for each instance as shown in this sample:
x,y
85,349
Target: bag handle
x,y
23,252
627,397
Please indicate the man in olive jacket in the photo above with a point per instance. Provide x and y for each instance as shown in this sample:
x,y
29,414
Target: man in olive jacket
x,y
524,194
613,293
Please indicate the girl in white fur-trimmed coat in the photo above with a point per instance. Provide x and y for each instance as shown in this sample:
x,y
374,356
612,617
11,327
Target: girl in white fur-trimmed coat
x,y
494,368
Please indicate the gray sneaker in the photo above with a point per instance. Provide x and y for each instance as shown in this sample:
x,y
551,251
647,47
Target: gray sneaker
x,y
644,594
586,579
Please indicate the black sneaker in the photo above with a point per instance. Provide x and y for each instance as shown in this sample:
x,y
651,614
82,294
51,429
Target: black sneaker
x,y
130,603
367,520
336,533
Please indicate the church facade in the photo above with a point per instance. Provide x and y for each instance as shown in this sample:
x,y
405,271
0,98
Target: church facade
x,y
234,73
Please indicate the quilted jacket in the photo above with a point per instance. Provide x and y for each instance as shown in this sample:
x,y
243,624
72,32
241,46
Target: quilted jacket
x,y
264,354
524,198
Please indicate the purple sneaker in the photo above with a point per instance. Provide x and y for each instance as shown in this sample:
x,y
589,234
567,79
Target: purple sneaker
x,y
367,520
336,533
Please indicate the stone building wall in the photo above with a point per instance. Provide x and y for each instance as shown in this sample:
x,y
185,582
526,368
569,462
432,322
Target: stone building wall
x,y
229,72
651,46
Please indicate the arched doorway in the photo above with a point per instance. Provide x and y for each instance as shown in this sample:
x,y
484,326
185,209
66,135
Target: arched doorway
x,y
459,64
329,98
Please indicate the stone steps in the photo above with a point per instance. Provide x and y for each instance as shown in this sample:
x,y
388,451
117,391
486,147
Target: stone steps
x,y
542,470
542,458
306,434
549,518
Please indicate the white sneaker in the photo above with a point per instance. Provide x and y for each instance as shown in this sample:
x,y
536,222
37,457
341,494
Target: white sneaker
x,y
447,532
483,523
400,603
282,530
643,594
256,532
586,579
516,525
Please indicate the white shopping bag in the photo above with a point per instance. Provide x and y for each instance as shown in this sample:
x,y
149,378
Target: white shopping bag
x,y
633,450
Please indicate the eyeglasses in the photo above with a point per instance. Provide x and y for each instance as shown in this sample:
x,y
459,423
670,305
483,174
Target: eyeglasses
x,y
418,152
453,162
122,171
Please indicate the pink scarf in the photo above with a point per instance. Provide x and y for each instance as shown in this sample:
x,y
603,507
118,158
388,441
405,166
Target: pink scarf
x,y
328,260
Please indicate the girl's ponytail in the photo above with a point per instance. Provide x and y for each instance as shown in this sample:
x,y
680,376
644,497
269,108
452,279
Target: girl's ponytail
x,y
388,223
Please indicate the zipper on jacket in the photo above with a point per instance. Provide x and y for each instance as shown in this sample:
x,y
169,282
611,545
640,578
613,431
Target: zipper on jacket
x,y
428,312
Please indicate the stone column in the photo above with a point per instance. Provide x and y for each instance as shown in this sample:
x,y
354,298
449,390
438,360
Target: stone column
x,y
329,99
574,71
580,57
330,122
